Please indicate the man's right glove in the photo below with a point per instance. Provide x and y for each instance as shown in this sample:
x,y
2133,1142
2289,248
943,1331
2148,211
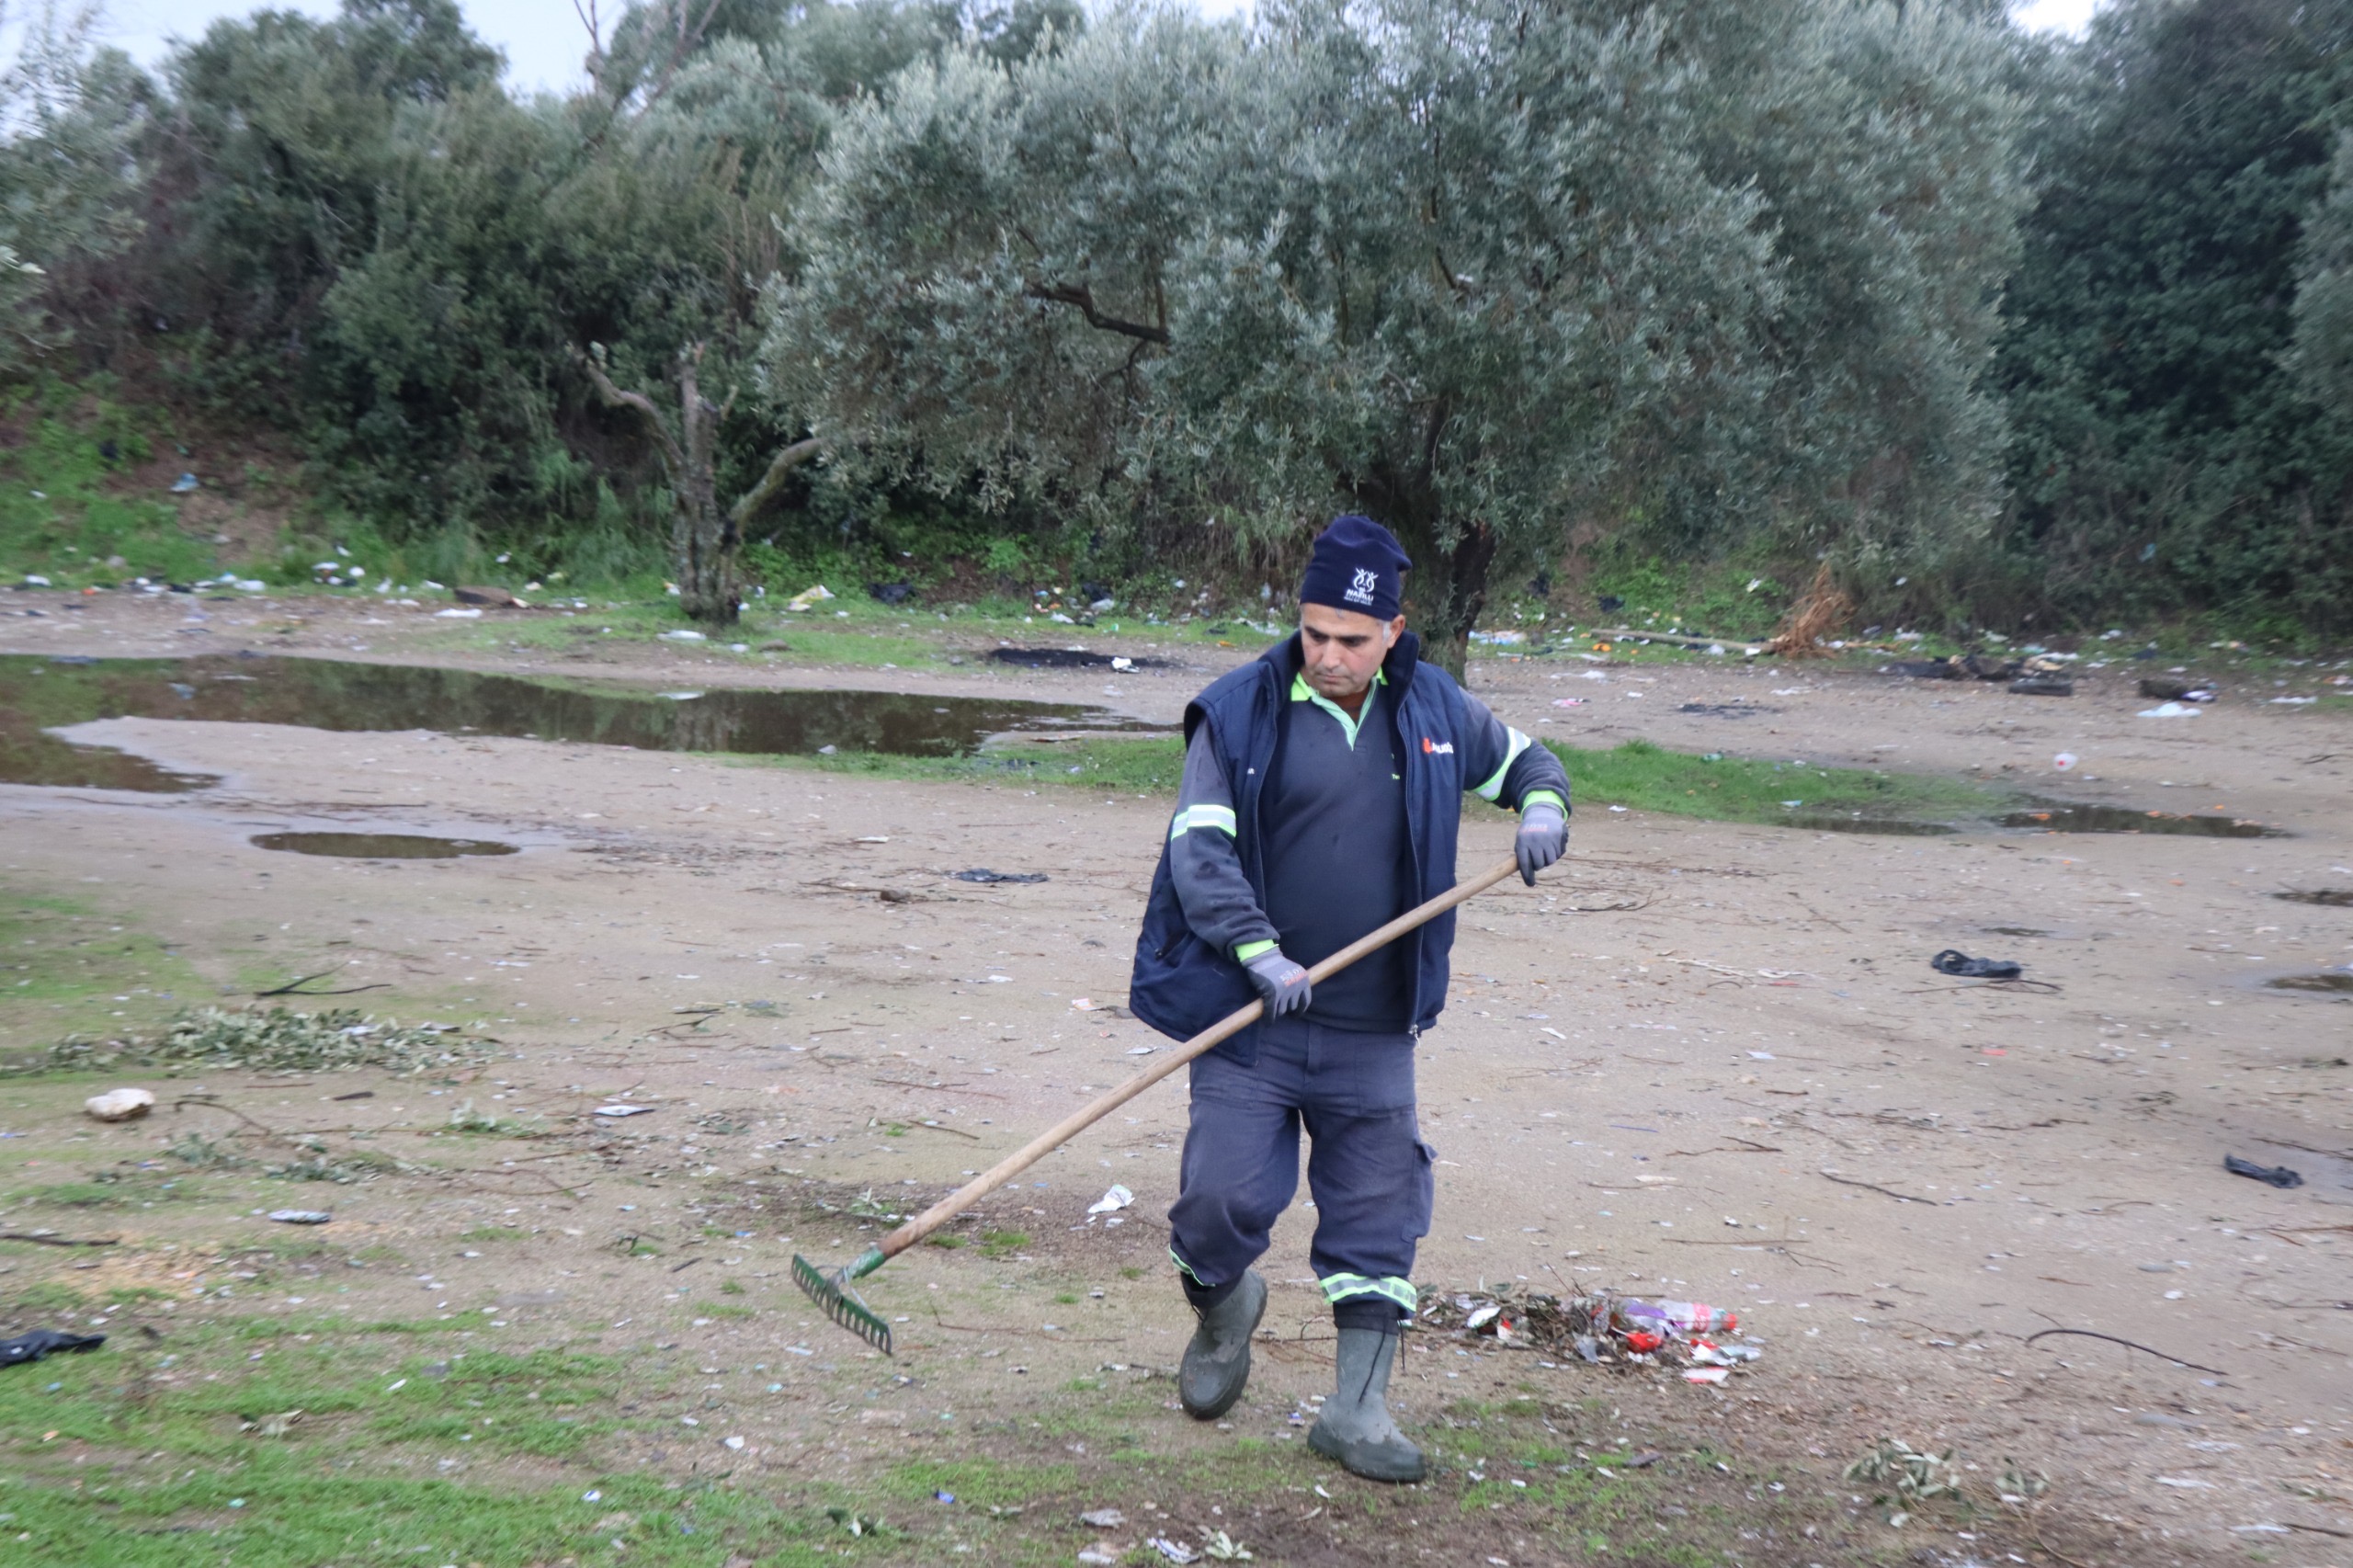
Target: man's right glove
x,y
1543,838
1282,985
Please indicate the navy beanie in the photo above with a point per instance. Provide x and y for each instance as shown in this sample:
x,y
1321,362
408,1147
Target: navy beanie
x,y
1357,565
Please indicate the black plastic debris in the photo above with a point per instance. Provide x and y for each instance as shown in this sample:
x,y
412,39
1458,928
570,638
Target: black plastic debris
x,y
1982,666
1952,961
891,592
2275,1176
2042,685
982,874
43,1341
1926,669
1070,659
1610,604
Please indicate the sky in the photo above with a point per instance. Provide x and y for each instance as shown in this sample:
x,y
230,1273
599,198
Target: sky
x,y
544,41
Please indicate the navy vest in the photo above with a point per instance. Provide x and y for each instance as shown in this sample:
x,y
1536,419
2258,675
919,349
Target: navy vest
x,y
1179,985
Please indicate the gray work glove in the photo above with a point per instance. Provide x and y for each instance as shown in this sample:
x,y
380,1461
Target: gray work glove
x,y
1282,985
1543,838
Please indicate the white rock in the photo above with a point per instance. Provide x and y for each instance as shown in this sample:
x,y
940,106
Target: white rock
x,y
119,1105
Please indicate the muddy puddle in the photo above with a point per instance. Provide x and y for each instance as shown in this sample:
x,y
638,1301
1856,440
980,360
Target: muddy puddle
x,y
380,845
41,694
2334,981
1902,827
2058,818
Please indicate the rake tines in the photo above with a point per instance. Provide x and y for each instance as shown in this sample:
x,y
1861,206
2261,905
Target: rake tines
x,y
838,1301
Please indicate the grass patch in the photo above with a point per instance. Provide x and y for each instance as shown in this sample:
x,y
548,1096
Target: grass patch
x,y
65,967
1003,1244
1642,777
1637,775
63,513
1147,765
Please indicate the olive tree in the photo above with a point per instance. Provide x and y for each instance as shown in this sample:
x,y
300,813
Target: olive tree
x,y
1459,265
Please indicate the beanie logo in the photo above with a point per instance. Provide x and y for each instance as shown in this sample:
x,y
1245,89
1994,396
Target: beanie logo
x,y
1367,583
1436,748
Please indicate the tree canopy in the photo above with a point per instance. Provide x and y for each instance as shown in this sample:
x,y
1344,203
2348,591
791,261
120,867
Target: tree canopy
x,y
1499,274
1999,329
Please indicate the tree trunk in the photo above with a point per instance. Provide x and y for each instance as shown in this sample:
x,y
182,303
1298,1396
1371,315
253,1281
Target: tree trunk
x,y
703,540
1446,591
1447,587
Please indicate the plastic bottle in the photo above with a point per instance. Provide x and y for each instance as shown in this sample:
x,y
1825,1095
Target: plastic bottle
x,y
1677,1319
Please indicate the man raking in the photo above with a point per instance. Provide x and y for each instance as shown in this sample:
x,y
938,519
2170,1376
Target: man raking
x,y
1321,798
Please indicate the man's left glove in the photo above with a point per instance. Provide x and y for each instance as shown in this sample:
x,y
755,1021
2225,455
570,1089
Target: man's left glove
x,y
1282,985
1543,838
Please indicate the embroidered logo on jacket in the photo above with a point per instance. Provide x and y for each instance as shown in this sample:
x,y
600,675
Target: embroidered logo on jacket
x,y
1436,748
1361,591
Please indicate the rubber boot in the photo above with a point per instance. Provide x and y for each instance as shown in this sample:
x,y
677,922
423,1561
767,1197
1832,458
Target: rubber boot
x,y
1217,1363
1355,1428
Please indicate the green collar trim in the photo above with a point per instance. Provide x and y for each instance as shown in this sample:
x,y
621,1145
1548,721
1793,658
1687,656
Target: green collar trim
x,y
1303,692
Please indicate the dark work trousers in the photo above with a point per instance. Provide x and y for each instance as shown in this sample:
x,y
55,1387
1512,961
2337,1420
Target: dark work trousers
x,y
1366,1166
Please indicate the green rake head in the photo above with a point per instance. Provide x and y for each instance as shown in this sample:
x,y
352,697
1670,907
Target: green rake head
x,y
838,1301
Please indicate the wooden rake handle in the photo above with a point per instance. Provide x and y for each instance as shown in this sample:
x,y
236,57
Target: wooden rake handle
x,y
1077,1121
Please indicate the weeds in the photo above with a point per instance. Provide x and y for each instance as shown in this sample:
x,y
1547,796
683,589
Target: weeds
x,y
1906,1479
279,1039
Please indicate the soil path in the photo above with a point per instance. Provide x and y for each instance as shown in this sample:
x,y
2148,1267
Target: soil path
x,y
1701,1061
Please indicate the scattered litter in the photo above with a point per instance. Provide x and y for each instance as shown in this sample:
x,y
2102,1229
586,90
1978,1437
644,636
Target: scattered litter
x,y
1103,1518
680,636
457,615
2042,685
2169,711
1122,664
808,599
1098,1556
2065,761
300,1216
891,593
1171,1550
1600,1329
620,1111
496,599
2292,701
873,839
43,1341
1568,702
1675,1319
119,1105
982,874
185,485
2277,1176
737,1443
1083,1005
1706,1374
1952,961
2167,690
1111,1202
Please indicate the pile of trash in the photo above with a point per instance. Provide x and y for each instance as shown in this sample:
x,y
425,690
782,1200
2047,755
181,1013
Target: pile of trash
x,y
277,1040
1603,1328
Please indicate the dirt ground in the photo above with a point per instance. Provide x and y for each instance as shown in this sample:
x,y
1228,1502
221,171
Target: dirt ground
x,y
1702,1061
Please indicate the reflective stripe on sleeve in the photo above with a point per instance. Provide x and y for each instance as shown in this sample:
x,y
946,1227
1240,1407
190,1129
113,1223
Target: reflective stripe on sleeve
x,y
1493,788
1218,817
